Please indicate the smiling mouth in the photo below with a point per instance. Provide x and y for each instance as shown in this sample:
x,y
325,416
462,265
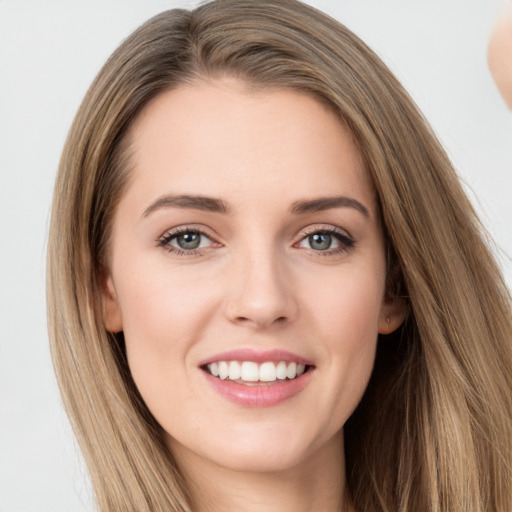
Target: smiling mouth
x,y
251,373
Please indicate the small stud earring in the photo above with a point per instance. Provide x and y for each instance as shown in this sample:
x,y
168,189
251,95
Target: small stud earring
x,y
388,320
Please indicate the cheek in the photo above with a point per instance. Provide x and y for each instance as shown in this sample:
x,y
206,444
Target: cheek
x,y
356,323
346,315
159,305
164,314
348,302
352,336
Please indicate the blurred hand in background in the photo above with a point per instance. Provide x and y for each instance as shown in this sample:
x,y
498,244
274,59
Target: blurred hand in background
x,y
500,55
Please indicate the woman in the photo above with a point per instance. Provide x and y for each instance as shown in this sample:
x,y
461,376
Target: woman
x,y
267,288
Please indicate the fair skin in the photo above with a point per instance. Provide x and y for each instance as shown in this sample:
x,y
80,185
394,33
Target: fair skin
x,y
500,55
282,263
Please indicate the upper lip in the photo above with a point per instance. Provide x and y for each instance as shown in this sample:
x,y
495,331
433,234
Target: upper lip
x,y
257,356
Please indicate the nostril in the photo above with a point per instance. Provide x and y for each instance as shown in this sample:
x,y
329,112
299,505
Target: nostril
x,y
260,309
281,320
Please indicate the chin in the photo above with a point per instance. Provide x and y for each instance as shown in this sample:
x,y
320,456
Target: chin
x,y
271,451
257,460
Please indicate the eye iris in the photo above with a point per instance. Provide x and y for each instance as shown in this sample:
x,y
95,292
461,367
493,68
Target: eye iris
x,y
320,241
189,240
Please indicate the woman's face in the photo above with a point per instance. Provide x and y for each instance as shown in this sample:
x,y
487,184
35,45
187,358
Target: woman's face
x,y
247,246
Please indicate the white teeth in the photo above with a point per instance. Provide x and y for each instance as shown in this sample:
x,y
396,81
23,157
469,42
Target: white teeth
x,y
281,370
250,371
268,372
214,369
235,370
291,371
223,370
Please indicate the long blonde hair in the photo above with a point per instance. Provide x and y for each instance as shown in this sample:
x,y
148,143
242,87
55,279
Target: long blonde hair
x,y
434,429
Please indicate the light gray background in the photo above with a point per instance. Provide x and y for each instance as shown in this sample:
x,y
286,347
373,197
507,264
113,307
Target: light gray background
x,y
50,52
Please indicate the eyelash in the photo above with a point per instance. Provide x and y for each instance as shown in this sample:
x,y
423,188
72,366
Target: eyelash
x,y
346,241
165,241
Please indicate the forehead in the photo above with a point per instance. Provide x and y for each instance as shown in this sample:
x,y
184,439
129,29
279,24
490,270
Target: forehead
x,y
221,139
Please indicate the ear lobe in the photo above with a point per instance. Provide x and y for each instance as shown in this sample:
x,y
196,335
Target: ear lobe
x,y
392,315
111,311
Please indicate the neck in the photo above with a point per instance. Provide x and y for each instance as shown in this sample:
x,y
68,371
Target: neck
x,y
316,483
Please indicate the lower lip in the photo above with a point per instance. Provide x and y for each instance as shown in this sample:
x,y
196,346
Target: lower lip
x,y
261,395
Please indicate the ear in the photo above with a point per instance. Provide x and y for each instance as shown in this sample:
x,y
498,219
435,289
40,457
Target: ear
x,y
111,310
392,314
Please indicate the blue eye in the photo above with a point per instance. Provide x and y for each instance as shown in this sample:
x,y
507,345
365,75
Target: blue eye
x,y
328,241
185,241
321,241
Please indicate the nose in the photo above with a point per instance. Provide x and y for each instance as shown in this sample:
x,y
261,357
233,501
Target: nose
x,y
261,292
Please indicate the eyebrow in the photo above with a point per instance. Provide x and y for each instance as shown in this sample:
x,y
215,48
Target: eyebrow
x,y
214,205
203,203
326,203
